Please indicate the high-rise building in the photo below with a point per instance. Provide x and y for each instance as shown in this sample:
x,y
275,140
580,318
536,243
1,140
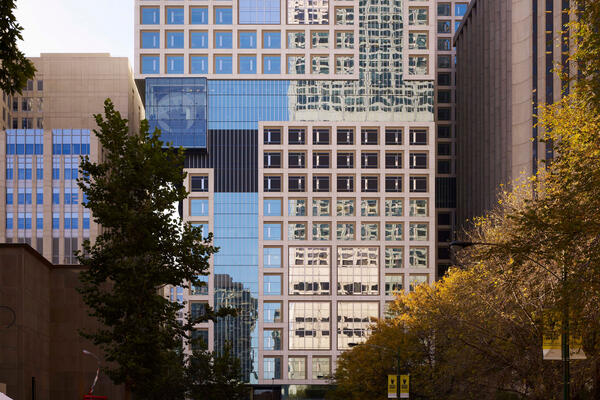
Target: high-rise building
x,y
46,130
311,149
506,54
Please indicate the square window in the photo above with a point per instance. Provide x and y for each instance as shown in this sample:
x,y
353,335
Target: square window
x,y
247,65
297,231
174,64
247,40
174,40
272,231
296,65
174,16
272,207
223,40
296,40
272,312
393,231
344,65
320,64
150,15
199,15
272,339
369,231
271,64
272,285
150,64
223,65
223,16
271,40
272,257
198,40
296,368
297,207
150,40
199,207
199,64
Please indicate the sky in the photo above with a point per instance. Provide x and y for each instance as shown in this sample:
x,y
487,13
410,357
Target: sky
x,y
82,26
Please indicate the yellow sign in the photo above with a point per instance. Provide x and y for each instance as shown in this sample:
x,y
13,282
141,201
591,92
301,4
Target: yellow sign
x,y
404,386
392,386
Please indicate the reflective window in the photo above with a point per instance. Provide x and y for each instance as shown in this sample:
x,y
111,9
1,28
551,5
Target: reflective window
x,y
247,65
309,270
175,16
272,312
369,207
150,15
271,40
418,257
271,64
199,340
393,207
272,339
416,280
309,326
272,207
354,321
296,368
444,44
319,40
272,231
272,368
201,287
199,40
321,231
393,257
345,207
223,40
344,64
150,64
296,40
369,231
418,65
272,285
320,64
344,40
321,208
344,16
199,64
418,231
460,9
259,11
308,12
417,41
297,231
393,284
199,15
393,231
150,40
418,207
443,10
223,16
358,270
321,367
223,65
174,64
199,207
417,16
272,257
297,207
247,40
296,65
345,231
272,183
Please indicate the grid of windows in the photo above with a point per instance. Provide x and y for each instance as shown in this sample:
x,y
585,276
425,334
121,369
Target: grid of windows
x,y
308,270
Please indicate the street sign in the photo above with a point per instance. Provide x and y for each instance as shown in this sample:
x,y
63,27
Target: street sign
x,y
392,386
404,386
552,341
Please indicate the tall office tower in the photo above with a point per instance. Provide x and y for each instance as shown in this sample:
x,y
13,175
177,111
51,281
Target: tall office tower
x,y
309,129
506,53
48,128
449,16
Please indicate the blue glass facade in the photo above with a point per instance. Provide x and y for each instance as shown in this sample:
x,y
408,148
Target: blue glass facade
x,y
178,107
236,276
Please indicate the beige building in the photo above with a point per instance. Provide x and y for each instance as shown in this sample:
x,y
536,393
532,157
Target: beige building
x,y
48,127
506,52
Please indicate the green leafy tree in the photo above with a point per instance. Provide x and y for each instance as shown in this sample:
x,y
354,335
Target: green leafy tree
x,y
215,375
142,248
15,68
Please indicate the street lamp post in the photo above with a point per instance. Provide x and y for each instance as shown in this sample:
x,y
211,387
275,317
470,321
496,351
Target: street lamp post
x,y
398,368
565,351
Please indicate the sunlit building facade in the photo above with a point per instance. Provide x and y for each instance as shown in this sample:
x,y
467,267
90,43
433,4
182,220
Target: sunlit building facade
x,y
310,137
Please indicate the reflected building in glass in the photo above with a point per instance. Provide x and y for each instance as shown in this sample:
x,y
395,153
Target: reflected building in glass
x,y
316,174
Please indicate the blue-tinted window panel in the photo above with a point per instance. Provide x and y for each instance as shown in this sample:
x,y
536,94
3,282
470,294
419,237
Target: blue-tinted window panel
x,y
199,64
272,285
272,64
55,221
9,196
247,40
150,40
150,15
178,107
247,65
9,220
456,25
272,207
174,40
150,65
223,65
272,231
259,11
199,15
174,64
223,40
174,16
460,10
199,40
271,40
223,16
198,207
272,257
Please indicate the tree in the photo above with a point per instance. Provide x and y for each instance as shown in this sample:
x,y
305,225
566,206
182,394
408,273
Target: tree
x,y
212,375
141,249
15,68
